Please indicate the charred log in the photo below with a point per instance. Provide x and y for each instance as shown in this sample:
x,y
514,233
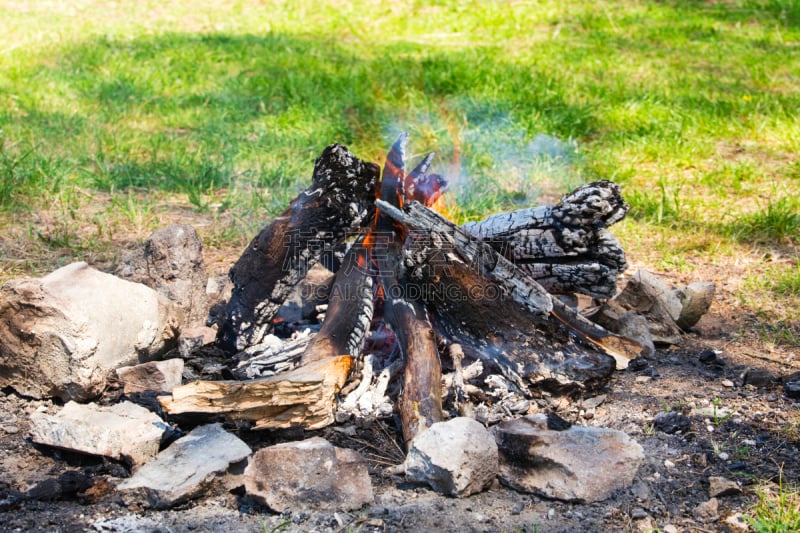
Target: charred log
x,y
338,201
497,312
420,405
565,248
349,313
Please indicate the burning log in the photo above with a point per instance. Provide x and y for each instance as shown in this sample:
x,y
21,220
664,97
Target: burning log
x,y
420,405
565,248
349,311
338,201
498,313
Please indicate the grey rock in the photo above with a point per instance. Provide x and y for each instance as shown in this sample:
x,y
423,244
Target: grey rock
x,y
672,422
581,464
648,296
695,301
185,469
171,263
124,431
634,326
707,511
314,290
720,486
458,457
638,513
64,334
308,474
641,490
156,376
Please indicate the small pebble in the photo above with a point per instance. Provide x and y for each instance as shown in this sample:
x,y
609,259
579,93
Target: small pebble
x,y
727,383
723,456
551,513
643,379
669,528
518,508
11,429
638,513
668,463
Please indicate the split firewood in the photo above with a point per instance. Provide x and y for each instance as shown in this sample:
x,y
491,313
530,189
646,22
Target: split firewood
x,y
338,202
497,312
565,248
304,397
349,312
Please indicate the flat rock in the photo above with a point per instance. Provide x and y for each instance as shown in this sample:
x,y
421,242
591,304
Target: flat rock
x,y
634,326
308,474
457,458
720,486
581,464
156,376
695,301
185,469
124,431
64,334
171,263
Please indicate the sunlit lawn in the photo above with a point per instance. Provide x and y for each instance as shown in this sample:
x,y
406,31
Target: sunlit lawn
x,y
118,117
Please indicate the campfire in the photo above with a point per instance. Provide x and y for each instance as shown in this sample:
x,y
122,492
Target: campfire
x,y
417,303
398,313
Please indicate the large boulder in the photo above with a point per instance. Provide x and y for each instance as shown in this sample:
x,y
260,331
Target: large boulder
x,y
63,334
580,464
172,264
308,474
457,457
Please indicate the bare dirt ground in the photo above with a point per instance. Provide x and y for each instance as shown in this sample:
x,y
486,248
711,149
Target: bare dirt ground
x,y
746,433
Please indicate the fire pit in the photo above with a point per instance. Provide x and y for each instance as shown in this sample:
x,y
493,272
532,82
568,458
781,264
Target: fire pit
x,y
477,300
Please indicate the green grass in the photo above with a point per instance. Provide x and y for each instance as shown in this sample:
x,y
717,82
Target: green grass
x,y
134,110
777,509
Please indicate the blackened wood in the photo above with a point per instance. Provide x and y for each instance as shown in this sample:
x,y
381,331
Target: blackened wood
x,y
349,312
496,311
338,202
565,248
420,404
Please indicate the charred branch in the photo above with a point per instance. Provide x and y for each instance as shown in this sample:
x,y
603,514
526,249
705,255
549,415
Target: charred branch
x,y
303,397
